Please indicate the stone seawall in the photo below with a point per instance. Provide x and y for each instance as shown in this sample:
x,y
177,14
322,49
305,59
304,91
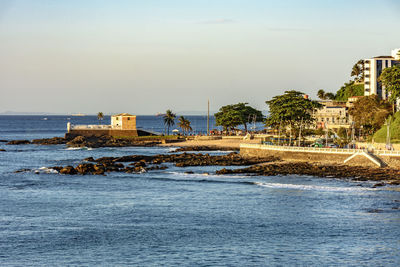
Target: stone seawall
x,y
318,156
115,133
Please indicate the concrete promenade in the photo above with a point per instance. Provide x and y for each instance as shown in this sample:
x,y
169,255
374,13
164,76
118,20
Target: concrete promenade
x,y
363,157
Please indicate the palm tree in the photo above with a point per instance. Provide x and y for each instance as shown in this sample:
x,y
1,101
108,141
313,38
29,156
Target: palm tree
x,y
358,71
188,127
100,116
321,94
329,96
184,124
169,119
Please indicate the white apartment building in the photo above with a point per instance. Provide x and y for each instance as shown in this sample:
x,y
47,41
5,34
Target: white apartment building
x,y
373,68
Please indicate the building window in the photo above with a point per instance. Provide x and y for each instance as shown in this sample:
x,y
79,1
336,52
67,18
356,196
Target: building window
x,y
129,119
366,75
116,118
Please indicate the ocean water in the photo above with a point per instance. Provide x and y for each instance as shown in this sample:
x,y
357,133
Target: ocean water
x,y
170,218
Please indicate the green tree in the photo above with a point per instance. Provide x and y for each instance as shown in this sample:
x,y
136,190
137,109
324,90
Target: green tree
x,y
100,116
390,78
370,112
358,71
184,124
169,119
325,95
231,116
290,109
321,94
330,96
348,90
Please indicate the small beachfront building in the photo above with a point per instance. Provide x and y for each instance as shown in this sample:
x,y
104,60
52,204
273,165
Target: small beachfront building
x,y
123,121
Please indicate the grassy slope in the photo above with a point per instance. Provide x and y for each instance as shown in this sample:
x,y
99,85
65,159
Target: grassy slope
x,y
380,135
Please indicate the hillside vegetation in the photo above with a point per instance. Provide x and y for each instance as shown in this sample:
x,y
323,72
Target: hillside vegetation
x,y
349,90
380,135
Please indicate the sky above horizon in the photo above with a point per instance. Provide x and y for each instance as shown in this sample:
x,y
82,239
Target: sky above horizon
x,y
144,57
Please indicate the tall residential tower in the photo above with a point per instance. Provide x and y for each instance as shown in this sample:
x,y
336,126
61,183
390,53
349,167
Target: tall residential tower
x,y
373,68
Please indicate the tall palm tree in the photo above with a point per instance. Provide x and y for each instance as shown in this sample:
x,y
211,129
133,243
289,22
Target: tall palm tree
x,y
184,124
330,96
169,119
188,127
358,71
321,94
100,116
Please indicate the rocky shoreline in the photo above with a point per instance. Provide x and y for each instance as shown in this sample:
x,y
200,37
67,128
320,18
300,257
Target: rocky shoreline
x,y
356,173
86,141
271,166
143,163
109,141
254,166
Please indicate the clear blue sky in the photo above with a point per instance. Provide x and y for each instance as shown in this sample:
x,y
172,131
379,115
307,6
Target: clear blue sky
x,y
147,56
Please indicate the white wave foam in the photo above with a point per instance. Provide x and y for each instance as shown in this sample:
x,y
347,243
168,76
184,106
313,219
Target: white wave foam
x,y
45,170
311,187
75,148
204,174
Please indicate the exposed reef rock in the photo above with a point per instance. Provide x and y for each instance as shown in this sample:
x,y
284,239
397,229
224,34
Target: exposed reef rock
x,y
50,141
144,163
19,142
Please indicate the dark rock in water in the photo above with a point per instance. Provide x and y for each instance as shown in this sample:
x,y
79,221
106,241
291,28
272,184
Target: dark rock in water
x,y
50,141
85,168
78,141
2,150
379,185
140,162
68,170
22,170
56,168
156,168
224,171
107,141
374,210
189,172
3,141
19,142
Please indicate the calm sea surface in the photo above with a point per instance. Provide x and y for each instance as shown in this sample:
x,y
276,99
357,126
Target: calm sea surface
x,y
171,218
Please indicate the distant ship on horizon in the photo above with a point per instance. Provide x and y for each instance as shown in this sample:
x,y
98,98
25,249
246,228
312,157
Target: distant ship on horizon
x,y
158,114
78,114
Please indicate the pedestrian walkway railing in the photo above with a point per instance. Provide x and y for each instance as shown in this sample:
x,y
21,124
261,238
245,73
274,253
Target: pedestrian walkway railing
x,y
90,127
346,151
